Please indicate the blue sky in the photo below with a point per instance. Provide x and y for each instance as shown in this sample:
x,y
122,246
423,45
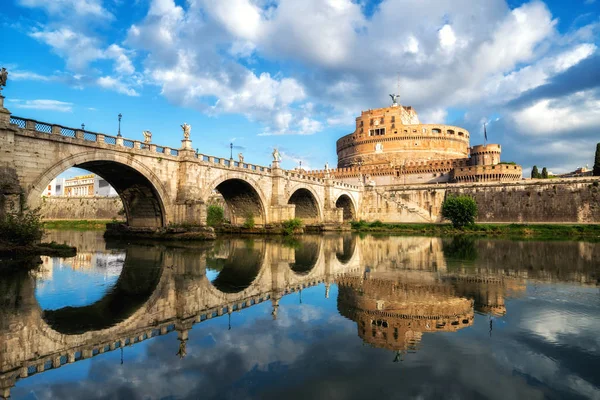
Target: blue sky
x,y
267,73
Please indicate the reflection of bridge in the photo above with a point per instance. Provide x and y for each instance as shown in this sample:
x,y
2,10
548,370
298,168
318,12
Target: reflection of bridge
x,y
395,289
159,185
160,291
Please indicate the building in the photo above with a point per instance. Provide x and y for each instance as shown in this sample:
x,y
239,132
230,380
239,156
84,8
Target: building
x,y
391,146
54,188
88,186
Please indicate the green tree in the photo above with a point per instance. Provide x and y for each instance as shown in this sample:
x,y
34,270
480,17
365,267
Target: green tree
x,y
544,173
535,174
597,161
460,210
215,215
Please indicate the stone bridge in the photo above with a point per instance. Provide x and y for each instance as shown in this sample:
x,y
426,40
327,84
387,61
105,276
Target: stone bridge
x,y
160,185
159,291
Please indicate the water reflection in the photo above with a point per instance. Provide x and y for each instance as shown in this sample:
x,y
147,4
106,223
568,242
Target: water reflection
x,y
401,295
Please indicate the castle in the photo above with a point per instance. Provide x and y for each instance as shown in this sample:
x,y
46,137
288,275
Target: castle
x,y
390,146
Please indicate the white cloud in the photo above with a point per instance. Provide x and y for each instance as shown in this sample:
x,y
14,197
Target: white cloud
x,y
43,104
86,8
123,64
28,76
575,112
77,49
117,85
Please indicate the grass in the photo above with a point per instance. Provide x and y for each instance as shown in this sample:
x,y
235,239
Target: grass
x,y
537,231
78,225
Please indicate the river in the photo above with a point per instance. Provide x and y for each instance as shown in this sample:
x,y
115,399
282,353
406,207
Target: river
x,y
317,317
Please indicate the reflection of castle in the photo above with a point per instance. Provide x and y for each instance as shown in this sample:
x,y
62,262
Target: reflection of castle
x,y
390,146
394,315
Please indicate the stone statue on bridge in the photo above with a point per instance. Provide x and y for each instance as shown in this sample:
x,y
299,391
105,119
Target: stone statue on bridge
x,y
3,78
147,136
276,155
241,158
187,128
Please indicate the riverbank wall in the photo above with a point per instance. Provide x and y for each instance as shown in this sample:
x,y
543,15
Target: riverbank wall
x,y
572,200
81,208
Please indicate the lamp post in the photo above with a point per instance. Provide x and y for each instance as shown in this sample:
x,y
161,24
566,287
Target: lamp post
x,y
231,150
83,127
119,133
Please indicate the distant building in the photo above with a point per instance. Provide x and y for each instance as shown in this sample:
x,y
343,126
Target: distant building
x,y
54,188
581,171
87,186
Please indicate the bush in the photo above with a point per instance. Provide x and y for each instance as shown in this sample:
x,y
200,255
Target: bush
x,y
249,223
215,215
358,224
291,225
376,224
460,210
22,229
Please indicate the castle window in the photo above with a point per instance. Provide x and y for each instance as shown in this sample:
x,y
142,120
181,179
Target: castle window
x,y
393,126
414,131
377,132
382,120
460,134
371,122
450,131
436,130
361,130
361,122
393,118
424,130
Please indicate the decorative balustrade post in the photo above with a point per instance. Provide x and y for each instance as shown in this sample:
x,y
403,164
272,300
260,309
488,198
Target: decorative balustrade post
x,y
30,124
78,134
152,148
167,151
137,144
100,138
55,129
119,141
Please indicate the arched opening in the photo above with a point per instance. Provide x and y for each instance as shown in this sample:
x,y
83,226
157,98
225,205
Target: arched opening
x,y
234,265
344,202
140,274
307,208
141,202
243,202
345,252
142,205
305,256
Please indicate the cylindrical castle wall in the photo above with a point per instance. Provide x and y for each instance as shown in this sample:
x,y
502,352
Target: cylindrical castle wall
x,y
408,143
485,154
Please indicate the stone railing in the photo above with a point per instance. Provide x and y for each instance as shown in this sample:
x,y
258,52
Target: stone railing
x,y
100,138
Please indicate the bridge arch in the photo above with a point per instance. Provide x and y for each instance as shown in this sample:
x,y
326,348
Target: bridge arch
x,y
131,295
306,255
308,208
145,198
345,252
345,202
240,269
243,197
